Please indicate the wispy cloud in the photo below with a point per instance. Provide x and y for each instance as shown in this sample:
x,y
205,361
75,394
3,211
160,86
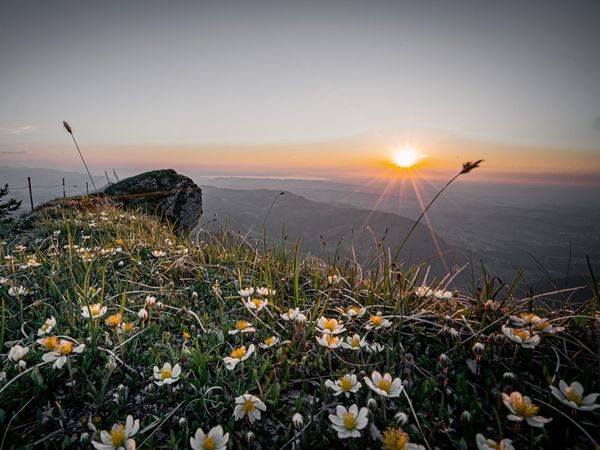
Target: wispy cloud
x,y
17,129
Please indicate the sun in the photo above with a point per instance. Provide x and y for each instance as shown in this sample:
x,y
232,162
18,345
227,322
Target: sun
x,y
406,157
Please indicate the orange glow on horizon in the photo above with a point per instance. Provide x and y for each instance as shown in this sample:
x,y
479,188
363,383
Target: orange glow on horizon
x,y
382,156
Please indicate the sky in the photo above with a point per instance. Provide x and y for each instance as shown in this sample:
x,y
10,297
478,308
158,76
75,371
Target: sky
x,y
302,88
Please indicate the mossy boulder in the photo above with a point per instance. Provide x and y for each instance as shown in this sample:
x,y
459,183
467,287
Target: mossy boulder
x,y
170,195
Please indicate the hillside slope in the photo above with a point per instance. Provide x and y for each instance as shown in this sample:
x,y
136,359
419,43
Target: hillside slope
x,y
319,226
117,333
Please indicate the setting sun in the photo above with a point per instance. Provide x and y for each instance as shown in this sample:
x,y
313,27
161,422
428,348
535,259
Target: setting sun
x,y
406,157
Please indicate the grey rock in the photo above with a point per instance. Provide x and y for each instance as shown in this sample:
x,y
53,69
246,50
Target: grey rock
x,y
172,196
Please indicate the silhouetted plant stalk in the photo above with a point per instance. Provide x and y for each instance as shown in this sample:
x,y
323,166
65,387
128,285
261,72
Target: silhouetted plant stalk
x,y
70,131
466,168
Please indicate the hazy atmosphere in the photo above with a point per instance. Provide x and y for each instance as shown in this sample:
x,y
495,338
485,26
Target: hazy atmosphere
x,y
267,88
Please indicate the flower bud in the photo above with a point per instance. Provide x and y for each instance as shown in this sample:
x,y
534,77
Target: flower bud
x,y
509,376
466,416
372,403
478,348
298,420
454,334
150,301
142,314
401,418
111,364
444,360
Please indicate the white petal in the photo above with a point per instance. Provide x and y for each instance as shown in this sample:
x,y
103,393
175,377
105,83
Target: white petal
x,y
563,386
336,420
577,387
340,410
60,362
589,399
50,356
376,377
105,437
260,405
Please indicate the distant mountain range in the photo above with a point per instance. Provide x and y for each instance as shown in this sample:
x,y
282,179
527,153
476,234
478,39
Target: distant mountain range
x,y
320,227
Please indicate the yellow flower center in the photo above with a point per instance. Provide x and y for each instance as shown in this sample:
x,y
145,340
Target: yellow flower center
x,y
573,396
331,340
209,443
186,335
238,353
521,334
45,326
242,325
528,317
128,327
257,302
114,320
249,406
354,309
345,383
355,342
385,385
394,439
330,324
376,320
31,261
541,325
94,309
349,421
50,342
524,408
117,436
166,373
64,348
269,341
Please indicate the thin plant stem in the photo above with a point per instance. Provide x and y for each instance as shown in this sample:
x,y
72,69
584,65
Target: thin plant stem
x,y
467,167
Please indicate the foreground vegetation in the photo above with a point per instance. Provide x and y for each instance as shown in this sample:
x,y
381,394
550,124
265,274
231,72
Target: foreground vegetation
x,y
117,333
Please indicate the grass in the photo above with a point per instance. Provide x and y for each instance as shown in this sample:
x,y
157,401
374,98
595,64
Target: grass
x,y
452,354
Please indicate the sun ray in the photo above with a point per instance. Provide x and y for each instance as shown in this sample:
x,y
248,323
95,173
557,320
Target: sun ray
x,y
429,225
383,194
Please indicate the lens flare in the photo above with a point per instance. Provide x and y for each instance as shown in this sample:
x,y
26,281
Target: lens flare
x,y
406,157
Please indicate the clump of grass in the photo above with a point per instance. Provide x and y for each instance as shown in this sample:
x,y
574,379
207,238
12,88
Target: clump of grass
x,y
184,337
